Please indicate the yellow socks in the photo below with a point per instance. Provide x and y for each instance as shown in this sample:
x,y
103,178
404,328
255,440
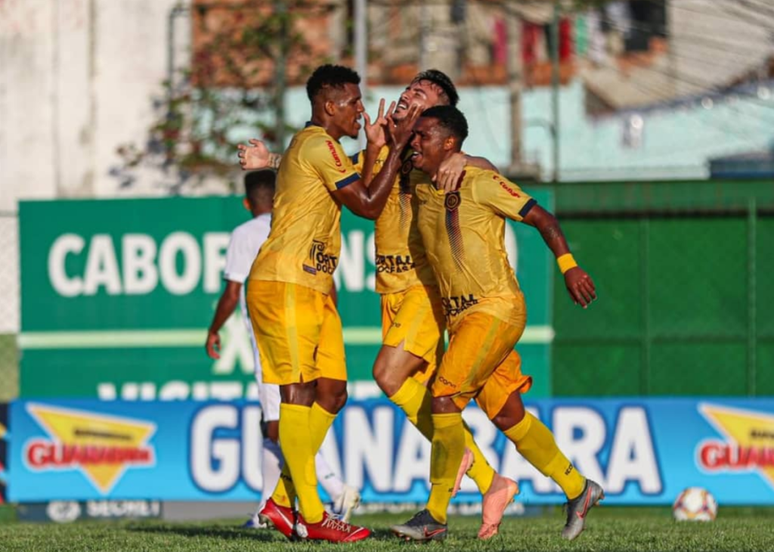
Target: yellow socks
x,y
536,443
320,421
416,401
296,443
284,493
448,448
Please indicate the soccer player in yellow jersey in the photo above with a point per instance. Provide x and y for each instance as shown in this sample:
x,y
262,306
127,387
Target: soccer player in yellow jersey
x,y
297,327
412,317
463,234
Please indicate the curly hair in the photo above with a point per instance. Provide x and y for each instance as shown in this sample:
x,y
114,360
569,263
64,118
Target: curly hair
x,y
449,118
330,76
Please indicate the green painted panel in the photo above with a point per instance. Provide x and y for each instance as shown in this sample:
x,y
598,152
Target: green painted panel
x,y
595,369
709,368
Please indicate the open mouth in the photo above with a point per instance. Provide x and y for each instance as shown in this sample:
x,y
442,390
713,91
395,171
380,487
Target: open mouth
x,y
402,105
416,156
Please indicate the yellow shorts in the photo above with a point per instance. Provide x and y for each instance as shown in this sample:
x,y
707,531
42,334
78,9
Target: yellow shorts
x,y
415,318
298,332
480,363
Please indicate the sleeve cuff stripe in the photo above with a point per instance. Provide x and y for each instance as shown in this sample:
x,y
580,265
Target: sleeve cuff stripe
x,y
355,157
354,177
527,206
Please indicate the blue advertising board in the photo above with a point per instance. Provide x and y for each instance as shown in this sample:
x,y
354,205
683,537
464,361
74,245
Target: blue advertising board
x,y
642,451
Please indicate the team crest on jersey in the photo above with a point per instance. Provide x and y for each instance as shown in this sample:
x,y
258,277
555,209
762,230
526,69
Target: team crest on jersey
x,y
452,201
407,167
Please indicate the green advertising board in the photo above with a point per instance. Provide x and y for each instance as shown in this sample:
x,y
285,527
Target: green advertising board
x,y
117,296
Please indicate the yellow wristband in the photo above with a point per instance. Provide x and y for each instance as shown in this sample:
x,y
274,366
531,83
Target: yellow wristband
x,y
566,262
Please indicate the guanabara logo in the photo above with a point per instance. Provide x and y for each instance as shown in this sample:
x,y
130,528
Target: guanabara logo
x,y
102,447
748,445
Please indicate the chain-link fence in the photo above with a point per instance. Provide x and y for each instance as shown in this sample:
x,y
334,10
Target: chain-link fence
x,y
9,306
684,303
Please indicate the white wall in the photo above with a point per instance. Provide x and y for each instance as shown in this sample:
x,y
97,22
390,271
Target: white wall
x,y
76,80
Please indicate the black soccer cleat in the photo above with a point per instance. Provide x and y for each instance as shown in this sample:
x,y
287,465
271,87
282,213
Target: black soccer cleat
x,y
422,528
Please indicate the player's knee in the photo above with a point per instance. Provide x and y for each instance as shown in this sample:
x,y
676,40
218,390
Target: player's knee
x,y
388,380
332,395
444,405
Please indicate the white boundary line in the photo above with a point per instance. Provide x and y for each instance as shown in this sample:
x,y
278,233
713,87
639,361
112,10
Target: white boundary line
x,y
195,338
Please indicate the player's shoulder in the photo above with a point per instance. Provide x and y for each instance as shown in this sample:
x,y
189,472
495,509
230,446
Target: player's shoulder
x,y
247,229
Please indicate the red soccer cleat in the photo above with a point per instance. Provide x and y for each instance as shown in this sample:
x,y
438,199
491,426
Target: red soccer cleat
x,y
330,529
280,517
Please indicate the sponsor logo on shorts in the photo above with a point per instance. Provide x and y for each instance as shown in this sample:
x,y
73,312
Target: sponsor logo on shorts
x,y
446,382
319,260
394,264
454,305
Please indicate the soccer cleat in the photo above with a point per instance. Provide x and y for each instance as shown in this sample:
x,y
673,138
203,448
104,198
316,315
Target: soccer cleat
x,y
422,527
578,509
254,523
330,529
347,501
283,519
467,461
496,500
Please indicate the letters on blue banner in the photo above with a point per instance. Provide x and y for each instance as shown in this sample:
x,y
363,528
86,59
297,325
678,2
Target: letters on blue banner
x,y
642,451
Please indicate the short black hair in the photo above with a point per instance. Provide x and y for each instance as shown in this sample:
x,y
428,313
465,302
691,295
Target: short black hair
x,y
259,186
330,76
442,81
450,118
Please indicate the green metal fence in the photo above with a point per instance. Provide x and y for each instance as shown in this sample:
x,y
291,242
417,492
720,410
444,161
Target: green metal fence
x,y
682,272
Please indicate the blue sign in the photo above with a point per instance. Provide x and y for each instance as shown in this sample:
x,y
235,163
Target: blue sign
x,y
642,451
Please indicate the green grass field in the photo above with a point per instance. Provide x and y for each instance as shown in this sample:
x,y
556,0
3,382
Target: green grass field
x,y
613,529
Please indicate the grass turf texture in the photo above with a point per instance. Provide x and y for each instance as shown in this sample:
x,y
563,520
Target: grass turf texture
x,y
608,529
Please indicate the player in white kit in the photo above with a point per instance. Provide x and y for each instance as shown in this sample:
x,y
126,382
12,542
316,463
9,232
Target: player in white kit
x,y
246,240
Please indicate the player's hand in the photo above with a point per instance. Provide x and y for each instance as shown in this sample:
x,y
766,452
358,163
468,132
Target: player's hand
x,y
374,131
213,345
450,172
580,286
399,133
252,157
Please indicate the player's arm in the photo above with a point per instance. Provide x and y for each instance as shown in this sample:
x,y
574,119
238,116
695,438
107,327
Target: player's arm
x,y
257,156
226,306
368,201
452,169
579,283
376,140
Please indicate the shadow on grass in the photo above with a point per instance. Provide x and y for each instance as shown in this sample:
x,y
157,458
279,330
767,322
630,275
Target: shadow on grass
x,y
218,532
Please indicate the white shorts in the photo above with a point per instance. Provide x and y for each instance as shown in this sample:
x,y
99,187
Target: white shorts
x,y
268,393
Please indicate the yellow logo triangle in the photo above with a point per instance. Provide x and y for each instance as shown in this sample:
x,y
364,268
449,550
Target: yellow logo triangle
x,y
751,432
100,445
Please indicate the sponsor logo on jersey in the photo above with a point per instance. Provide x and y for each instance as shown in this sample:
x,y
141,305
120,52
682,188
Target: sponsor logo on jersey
x,y
456,304
394,264
320,261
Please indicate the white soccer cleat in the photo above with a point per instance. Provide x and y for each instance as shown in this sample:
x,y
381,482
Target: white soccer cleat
x,y
347,501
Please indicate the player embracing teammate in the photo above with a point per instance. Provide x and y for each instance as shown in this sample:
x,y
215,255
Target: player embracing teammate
x,y
299,333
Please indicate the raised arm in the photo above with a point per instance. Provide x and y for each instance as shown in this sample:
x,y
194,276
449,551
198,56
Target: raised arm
x,y
257,156
579,284
368,201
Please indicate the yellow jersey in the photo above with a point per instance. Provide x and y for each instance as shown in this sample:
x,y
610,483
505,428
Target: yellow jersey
x,y
400,255
464,236
304,243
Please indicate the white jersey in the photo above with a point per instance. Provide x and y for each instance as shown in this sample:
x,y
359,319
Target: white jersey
x,y
246,241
